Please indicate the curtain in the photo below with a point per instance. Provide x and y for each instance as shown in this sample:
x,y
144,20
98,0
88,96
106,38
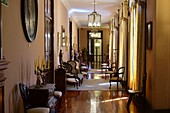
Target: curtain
x,y
115,38
133,46
137,45
123,36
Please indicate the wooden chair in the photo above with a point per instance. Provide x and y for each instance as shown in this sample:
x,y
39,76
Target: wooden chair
x,y
140,93
76,71
71,79
109,70
27,106
58,96
113,66
118,76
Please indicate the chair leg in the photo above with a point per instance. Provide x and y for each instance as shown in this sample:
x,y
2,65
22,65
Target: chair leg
x,y
110,76
117,85
129,100
110,86
82,81
77,84
60,101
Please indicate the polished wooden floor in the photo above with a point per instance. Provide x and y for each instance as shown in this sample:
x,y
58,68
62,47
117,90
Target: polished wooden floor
x,y
99,102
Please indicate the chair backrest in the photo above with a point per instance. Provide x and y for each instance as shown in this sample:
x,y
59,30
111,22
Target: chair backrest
x,y
73,64
68,67
120,72
25,96
113,66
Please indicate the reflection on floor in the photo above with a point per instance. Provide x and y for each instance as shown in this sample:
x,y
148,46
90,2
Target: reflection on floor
x,y
99,101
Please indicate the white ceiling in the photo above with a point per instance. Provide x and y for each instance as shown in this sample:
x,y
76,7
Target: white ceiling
x,y
80,9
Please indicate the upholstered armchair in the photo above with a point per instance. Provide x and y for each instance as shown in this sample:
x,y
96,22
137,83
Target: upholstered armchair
x,y
72,79
76,70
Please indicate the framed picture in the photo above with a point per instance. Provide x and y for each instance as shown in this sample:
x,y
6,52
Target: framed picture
x,y
66,43
4,2
149,35
29,14
59,41
63,37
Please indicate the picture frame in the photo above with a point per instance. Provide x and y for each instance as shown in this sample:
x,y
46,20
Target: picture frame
x,y
66,43
4,2
149,26
59,41
29,16
63,37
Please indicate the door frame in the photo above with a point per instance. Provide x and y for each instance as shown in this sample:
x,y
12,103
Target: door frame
x,y
50,76
70,35
88,44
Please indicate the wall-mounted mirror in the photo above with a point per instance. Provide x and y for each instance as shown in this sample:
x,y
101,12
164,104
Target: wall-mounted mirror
x,y
63,37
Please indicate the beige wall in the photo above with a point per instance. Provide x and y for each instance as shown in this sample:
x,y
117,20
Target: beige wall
x,y
150,55
22,54
83,38
61,18
157,59
162,91
19,52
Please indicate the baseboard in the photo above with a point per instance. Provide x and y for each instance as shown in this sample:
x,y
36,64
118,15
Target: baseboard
x,y
161,111
157,110
148,107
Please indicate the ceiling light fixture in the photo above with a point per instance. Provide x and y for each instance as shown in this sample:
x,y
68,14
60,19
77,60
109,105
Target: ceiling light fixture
x,y
94,19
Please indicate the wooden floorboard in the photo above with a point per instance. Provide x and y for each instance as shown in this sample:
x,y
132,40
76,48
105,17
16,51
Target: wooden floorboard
x,y
99,102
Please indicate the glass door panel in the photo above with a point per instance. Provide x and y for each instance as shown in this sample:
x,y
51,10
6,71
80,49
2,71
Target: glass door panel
x,y
95,49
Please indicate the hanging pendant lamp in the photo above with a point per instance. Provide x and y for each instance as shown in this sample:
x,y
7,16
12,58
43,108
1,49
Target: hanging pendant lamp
x,y
94,19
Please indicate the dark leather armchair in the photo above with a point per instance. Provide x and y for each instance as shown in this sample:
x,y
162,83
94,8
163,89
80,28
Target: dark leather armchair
x,y
27,106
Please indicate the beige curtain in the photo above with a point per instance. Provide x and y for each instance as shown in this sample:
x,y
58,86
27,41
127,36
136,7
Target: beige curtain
x,y
133,46
115,39
137,45
123,36
141,42
111,42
